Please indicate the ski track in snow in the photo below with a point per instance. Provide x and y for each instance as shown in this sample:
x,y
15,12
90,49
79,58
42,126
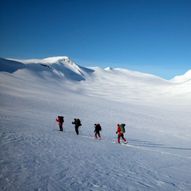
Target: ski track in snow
x,y
65,161
141,147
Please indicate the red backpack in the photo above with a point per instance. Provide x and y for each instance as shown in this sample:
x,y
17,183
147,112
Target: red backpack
x,y
60,119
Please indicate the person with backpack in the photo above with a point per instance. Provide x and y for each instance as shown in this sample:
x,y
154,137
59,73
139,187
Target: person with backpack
x,y
60,120
97,130
120,131
77,124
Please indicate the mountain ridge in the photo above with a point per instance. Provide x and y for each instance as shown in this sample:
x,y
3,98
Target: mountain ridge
x,y
63,66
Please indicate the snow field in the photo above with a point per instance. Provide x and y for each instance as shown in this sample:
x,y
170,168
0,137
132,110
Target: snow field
x,y
34,155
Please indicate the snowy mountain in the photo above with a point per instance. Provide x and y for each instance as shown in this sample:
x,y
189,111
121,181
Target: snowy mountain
x,y
34,155
183,78
10,65
56,67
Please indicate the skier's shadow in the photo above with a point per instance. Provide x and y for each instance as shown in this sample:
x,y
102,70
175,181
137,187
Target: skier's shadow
x,y
150,144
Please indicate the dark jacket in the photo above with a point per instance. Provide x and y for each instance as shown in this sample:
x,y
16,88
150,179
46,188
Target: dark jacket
x,y
77,122
97,127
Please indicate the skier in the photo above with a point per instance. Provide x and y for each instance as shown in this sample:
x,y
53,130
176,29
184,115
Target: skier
x,y
97,130
60,120
77,124
120,131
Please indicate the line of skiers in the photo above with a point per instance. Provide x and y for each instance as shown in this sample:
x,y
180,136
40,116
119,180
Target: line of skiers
x,y
77,123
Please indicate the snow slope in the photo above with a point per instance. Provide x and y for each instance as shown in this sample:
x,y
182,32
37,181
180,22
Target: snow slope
x,y
183,78
34,155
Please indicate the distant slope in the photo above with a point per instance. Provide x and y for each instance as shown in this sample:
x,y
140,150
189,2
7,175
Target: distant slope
x,y
110,83
10,65
182,78
61,67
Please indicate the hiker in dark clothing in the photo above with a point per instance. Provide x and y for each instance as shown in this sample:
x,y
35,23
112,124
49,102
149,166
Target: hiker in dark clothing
x,y
60,120
97,130
77,124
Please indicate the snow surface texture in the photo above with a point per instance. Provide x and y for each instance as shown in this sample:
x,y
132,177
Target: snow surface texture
x,y
34,155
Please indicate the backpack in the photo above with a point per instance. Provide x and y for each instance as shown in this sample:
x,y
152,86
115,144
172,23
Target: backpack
x,y
99,127
122,127
78,122
61,119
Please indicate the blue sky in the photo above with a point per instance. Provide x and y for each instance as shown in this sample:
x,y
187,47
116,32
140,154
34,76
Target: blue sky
x,y
152,36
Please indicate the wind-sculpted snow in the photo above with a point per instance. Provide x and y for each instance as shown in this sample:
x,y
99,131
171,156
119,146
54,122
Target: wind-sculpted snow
x,y
10,65
34,155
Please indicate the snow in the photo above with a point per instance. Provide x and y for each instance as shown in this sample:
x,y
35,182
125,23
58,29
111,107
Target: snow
x,y
34,155
10,66
182,78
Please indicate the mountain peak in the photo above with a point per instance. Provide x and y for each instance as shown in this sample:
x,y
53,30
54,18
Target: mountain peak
x,y
59,66
48,60
182,78
56,59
